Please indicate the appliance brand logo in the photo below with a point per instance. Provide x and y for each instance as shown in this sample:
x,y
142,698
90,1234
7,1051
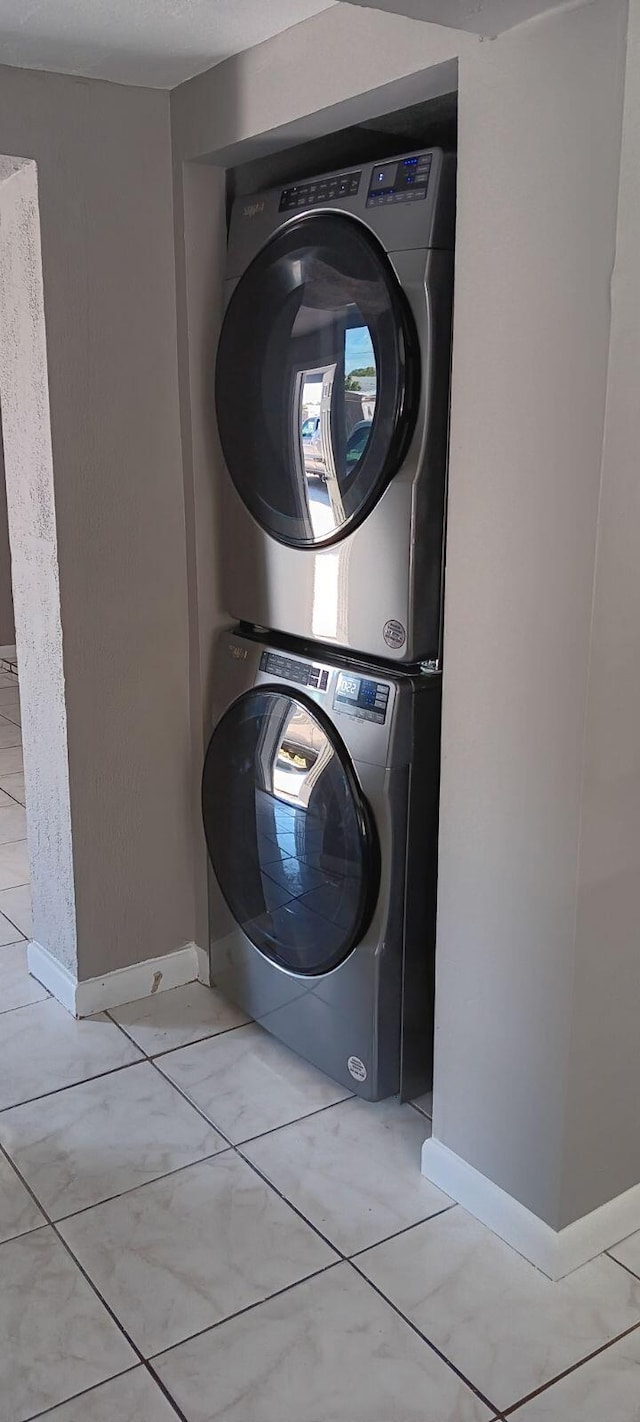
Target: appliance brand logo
x,y
394,634
251,209
240,653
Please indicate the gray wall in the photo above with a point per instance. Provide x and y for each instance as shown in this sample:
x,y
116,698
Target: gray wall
x,y
104,173
540,126
7,627
605,1054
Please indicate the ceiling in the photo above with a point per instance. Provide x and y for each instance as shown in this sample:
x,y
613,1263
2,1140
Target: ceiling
x,y
482,17
157,43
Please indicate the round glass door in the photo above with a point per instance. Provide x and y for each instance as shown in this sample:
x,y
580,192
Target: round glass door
x,y
317,379
290,836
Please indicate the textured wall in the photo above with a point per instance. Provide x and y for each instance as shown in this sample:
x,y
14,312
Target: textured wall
x,y
7,625
30,492
104,176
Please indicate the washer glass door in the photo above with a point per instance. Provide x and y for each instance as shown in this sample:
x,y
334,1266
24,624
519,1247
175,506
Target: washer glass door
x,y
290,836
317,380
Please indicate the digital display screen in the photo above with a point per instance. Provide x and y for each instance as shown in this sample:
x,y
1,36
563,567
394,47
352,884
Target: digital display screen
x,y
358,696
384,176
405,181
349,687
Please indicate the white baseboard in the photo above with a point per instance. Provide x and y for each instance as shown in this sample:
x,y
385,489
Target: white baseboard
x,y
53,975
204,966
555,1252
82,999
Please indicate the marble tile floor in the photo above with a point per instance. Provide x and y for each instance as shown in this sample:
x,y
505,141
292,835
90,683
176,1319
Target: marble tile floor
x,y
195,1224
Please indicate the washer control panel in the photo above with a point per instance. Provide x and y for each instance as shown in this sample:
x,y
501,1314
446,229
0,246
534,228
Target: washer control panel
x,y
304,673
318,191
406,180
357,696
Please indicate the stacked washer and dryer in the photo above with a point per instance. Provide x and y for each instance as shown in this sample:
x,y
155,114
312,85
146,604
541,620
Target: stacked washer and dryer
x,y
320,783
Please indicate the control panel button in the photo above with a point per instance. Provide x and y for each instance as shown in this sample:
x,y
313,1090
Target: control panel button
x,y
358,696
304,673
319,191
403,181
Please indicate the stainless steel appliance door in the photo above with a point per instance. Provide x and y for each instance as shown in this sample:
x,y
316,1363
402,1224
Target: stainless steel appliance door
x,y
317,380
290,835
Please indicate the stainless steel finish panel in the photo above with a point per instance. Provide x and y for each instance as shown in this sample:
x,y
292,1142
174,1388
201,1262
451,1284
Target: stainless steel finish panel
x,y
430,223
355,1009
368,742
389,569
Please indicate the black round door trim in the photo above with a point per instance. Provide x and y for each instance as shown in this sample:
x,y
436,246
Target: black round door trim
x,y
267,290
369,884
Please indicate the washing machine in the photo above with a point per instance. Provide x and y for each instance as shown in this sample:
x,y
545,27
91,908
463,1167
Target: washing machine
x,y
332,397
320,808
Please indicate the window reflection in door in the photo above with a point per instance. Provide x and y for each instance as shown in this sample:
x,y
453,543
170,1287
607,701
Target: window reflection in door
x,y
293,752
333,409
309,849
288,833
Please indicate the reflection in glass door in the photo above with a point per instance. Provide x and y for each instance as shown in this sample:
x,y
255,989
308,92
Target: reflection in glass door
x,y
317,380
333,411
295,851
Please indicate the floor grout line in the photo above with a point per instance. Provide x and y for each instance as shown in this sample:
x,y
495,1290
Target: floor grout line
x,y
213,1155
627,1268
266,1181
97,1076
142,1184
249,1308
168,1051
4,1011
567,1373
114,1317
12,921
442,1356
425,1219
36,1416
297,1120
26,936
248,1140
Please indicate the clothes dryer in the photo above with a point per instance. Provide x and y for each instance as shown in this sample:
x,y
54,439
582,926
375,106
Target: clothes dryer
x,y
320,806
332,390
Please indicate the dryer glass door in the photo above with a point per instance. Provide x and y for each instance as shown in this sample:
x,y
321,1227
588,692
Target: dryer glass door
x,y
289,832
317,380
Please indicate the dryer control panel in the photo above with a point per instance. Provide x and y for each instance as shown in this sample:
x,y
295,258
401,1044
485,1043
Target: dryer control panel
x,y
354,695
322,190
304,673
358,696
404,181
